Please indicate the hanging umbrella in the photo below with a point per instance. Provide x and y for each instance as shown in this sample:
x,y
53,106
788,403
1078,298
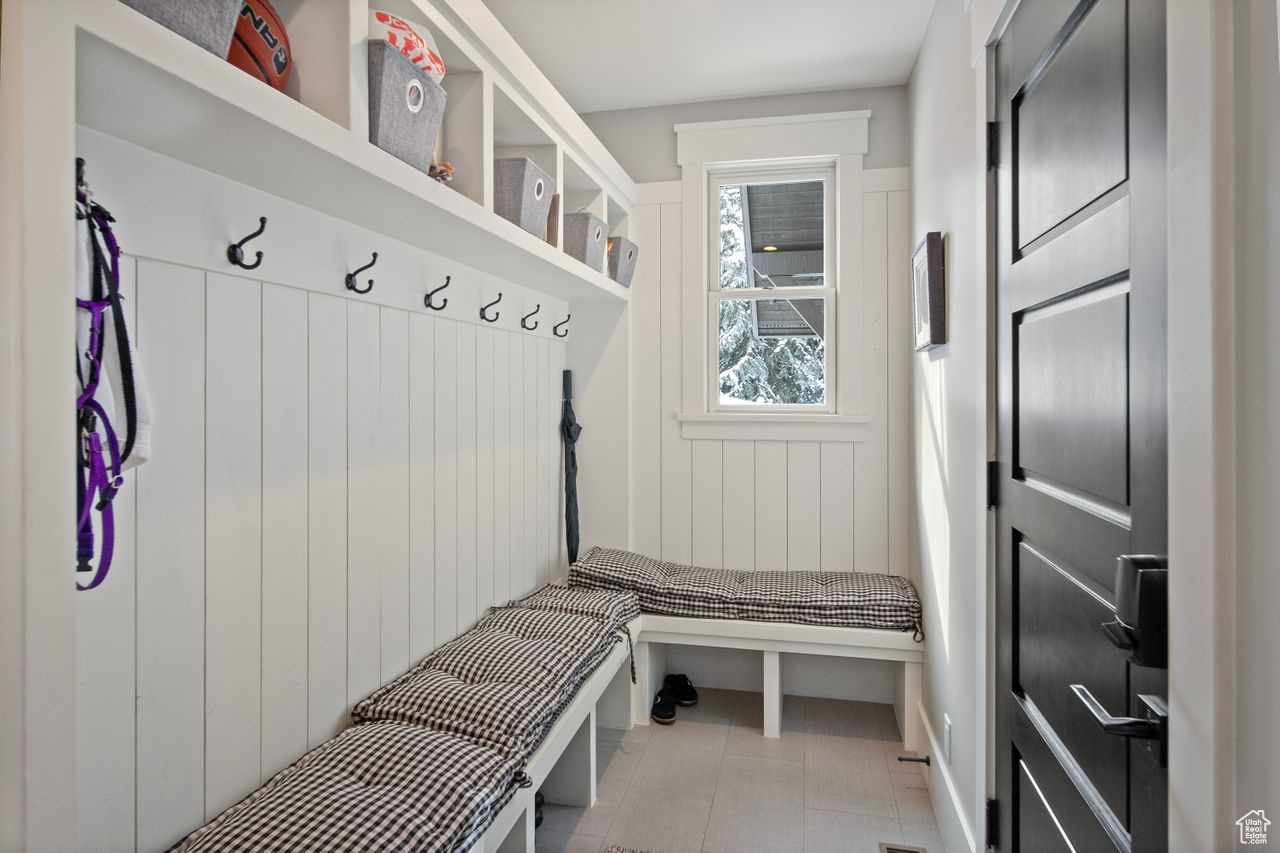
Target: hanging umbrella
x,y
569,432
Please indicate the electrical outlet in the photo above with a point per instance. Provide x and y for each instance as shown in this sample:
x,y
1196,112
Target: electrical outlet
x,y
946,738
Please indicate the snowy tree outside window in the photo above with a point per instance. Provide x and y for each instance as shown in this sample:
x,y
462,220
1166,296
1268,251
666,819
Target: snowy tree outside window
x,y
771,343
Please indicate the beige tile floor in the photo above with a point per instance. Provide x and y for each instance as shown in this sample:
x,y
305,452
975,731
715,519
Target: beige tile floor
x,y
712,782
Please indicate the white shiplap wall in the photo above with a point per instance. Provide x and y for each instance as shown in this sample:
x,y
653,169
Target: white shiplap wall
x,y
776,504
771,504
338,486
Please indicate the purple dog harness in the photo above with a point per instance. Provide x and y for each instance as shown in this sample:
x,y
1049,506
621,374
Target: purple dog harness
x,y
99,453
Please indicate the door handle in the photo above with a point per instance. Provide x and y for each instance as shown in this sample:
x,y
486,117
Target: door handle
x,y
1154,726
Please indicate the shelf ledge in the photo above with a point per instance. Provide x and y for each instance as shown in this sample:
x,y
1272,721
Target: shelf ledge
x,y
767,426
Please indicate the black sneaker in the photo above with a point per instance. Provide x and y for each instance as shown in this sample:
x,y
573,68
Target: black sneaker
x,y
664,707
683,688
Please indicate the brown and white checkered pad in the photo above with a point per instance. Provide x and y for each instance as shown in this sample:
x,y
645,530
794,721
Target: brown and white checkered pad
x,y
842,599
379,786
617,608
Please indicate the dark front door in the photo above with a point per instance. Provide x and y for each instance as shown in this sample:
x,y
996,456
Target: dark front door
x,y
1082,425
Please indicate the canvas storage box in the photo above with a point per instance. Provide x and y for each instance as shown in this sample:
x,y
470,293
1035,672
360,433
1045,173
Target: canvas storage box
x,y
405,106
622,260
210,23
584,238
522,192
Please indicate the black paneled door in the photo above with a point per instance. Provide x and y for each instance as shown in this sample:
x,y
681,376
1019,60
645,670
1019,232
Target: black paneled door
x,y
1082,420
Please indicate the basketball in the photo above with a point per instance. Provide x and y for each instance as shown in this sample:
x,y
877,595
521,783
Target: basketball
x,y
260,45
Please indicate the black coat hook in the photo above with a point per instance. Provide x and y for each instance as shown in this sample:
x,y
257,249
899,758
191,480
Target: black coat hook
x,y
235,252
351,276
426,300
555,330
484,308
524,321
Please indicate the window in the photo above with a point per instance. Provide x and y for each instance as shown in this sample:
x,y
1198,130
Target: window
x,y
772,290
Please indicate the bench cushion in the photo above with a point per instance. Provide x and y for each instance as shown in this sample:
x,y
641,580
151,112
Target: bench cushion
x,y
508,706
378,786
501,715
499,655
615,607
840,599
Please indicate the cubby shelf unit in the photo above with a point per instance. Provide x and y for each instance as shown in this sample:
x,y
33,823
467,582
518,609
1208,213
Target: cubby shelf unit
x,y
139,82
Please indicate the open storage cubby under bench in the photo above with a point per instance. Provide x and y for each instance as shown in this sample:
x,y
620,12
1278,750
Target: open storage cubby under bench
x,y
772,640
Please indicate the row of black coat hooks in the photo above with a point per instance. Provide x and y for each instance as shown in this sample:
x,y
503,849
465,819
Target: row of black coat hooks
x,y
236,255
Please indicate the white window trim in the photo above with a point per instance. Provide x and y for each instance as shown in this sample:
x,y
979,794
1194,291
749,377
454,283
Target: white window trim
x,y
773,171
704,148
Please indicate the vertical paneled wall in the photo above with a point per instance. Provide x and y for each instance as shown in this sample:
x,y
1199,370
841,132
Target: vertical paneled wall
x,y
776,504
337,487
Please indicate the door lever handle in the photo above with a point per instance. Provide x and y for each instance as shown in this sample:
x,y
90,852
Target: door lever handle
x,y
1154,726
1147,729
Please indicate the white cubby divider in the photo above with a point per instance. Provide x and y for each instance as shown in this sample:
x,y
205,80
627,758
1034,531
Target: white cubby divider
x,y
151,87
517,133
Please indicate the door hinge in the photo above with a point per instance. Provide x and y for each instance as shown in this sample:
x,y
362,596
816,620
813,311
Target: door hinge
x,y
993,483
993,823
993,145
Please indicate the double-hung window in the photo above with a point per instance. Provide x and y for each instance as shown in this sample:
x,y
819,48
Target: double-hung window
x,y
772,289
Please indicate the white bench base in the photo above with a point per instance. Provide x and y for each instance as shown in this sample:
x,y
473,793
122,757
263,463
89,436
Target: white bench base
x,y
772,640
564,767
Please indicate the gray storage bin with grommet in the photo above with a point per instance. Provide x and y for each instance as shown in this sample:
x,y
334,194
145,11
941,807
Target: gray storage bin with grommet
x,y
405,106
584,238
522,192
210,24
622,260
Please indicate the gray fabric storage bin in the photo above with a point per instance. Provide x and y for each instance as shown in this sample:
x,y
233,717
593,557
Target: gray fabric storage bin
x,y
405,106
584,238
522,193
208,23
622,260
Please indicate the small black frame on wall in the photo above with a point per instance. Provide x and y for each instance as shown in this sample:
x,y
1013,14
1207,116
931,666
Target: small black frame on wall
x,y
928,292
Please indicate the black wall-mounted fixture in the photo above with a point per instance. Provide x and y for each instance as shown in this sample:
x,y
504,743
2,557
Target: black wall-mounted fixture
x,y
428,300
555,330
524,321
235,252
351,277
485,308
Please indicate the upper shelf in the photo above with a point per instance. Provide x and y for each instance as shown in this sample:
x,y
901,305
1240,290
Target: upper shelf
x,y
141,83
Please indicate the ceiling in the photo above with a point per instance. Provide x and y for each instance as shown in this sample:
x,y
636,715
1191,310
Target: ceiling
x,y
618,54
787,217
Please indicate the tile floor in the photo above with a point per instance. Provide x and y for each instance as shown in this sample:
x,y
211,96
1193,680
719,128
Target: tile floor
x,y
712,782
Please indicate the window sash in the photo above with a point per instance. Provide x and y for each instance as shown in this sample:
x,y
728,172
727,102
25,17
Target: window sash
x,y
767,174
756,294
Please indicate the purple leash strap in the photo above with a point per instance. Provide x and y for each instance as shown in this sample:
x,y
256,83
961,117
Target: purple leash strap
x,y
98,477
98,491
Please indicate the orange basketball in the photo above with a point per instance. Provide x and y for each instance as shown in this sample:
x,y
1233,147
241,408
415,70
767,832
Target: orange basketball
x,y
260,45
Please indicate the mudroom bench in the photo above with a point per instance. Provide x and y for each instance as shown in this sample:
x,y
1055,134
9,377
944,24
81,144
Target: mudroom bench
x,y
772,640
837,614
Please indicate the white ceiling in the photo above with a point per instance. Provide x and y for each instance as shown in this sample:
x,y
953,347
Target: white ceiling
x,y
616,54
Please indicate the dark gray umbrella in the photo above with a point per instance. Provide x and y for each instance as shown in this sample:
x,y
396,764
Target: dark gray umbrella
x,y
569,432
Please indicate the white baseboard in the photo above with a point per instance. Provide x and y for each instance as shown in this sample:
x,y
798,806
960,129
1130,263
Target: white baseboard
x,y
955,828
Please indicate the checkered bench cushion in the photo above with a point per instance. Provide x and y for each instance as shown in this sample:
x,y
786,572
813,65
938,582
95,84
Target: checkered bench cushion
x,y
498,655
616,608
508,716
379,786
500,715
842,599
577,631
